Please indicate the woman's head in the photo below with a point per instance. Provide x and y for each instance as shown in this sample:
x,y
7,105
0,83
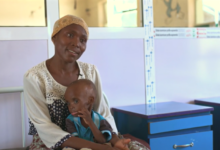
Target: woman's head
x,y
70,35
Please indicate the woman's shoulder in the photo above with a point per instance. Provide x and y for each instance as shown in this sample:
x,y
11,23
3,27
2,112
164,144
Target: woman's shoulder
x,y
36,70
87,70
86,67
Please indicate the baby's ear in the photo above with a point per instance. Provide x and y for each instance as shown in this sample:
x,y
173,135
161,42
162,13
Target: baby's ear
x,y
91,100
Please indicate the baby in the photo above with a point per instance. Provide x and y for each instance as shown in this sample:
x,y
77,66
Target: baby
x,y
85,123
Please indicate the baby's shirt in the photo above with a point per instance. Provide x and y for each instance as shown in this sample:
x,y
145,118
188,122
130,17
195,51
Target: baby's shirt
x,y
74,126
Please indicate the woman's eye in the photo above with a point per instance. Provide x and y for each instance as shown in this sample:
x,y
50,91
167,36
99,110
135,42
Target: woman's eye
x,y
83,40
70,35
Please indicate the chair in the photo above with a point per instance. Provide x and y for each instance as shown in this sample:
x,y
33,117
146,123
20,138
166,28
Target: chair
x,y
13,90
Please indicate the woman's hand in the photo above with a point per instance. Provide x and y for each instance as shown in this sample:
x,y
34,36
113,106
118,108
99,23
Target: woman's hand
x,y
85,114
122,144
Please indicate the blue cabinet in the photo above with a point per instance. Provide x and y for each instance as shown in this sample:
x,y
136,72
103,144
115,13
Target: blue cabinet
x,y
215,103
192,141
168,125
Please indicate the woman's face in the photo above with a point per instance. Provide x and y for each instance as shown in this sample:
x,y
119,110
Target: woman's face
x,y
70,43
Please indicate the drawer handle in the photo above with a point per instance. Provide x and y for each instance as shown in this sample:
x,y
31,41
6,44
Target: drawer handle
x,y
186,145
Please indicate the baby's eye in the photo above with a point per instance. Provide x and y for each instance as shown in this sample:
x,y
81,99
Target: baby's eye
x,y
75,101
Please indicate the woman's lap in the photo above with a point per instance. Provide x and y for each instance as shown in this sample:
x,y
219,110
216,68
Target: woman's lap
x,y
136,143
37,144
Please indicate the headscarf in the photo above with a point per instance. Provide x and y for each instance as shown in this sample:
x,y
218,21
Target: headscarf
x,y
68,20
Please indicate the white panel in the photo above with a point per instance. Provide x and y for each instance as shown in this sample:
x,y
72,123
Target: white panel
x,y
22,33
149,53
52,17
116,33
33,33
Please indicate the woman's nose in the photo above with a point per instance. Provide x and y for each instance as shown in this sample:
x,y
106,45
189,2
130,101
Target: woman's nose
x,y
75,42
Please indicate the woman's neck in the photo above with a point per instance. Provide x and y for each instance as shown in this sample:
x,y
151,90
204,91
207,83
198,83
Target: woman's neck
x,y
62,66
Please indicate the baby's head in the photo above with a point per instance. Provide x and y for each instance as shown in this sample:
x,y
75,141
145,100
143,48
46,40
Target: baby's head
x,y
80,94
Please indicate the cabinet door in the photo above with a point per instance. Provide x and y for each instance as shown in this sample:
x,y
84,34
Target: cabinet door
x,y
193,141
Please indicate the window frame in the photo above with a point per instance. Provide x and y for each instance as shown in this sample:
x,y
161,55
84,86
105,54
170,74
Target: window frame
x,y
52,13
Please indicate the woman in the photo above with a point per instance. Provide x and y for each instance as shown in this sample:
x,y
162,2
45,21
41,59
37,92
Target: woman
x,y
45,85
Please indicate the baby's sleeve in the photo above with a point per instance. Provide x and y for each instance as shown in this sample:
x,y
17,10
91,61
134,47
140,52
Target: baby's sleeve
x,y
71,128
106,129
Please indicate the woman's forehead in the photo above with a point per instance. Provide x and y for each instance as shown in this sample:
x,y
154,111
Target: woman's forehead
x,y
74,28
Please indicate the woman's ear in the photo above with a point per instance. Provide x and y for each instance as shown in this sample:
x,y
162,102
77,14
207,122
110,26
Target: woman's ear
x,y
54,39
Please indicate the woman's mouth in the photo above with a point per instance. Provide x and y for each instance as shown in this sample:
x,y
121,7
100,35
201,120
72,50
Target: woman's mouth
x,y
72,52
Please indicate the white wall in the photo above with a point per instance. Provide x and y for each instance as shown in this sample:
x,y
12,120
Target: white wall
x,y
187,69
16,57
121,66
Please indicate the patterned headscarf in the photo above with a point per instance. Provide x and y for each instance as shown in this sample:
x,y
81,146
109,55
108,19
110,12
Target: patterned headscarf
x,y
68,20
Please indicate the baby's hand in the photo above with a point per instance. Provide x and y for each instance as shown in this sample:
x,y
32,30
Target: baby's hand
x,y
86,115
122,144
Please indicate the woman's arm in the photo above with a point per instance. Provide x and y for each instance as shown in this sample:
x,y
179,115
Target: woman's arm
x,y
51,134
114,139
121,144
78,143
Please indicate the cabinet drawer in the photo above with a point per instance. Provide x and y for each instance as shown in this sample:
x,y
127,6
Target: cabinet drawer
x,y
179,124
200,140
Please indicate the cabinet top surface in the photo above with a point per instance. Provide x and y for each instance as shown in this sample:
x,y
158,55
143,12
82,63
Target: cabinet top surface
x,y
165,109
209,101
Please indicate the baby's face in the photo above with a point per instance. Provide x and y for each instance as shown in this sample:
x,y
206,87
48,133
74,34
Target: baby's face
x,y
77,100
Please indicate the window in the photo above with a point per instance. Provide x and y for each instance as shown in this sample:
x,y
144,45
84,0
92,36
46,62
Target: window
x,y
186,13
22,13
104,13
